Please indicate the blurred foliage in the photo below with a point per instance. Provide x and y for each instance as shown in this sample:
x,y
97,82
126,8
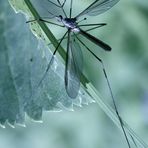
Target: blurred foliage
x,y
127,66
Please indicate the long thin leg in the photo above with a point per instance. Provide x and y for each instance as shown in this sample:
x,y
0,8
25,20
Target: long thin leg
x,y
71,2
66,64
46,17
109,86
93,28
42,20
101,24
48,66
52,58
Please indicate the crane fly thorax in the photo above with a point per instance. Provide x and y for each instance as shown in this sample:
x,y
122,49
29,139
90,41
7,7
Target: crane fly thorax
x,y
70,23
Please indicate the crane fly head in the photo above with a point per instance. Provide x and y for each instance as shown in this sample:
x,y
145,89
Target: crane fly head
x,y
59,18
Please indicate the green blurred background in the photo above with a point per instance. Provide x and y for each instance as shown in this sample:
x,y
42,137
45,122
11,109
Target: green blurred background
x,y
127,67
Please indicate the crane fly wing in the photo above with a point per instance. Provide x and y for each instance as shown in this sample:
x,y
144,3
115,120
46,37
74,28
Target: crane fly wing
x,y
47,8
98,7
74,66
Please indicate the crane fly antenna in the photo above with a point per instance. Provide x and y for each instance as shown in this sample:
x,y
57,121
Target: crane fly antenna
x,y
51,14
61,6
63,3
54,3
59,3
71,2
110,90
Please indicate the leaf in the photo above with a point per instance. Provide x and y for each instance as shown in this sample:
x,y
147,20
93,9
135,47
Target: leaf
x,y
23,61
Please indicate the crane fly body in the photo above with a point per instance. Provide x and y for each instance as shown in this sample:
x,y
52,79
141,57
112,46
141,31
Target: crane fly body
x,y
69,23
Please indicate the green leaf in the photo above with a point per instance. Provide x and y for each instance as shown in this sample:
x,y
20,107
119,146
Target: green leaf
x,y
23,61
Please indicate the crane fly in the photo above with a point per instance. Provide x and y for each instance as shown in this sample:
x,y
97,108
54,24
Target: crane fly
x,y
74,62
